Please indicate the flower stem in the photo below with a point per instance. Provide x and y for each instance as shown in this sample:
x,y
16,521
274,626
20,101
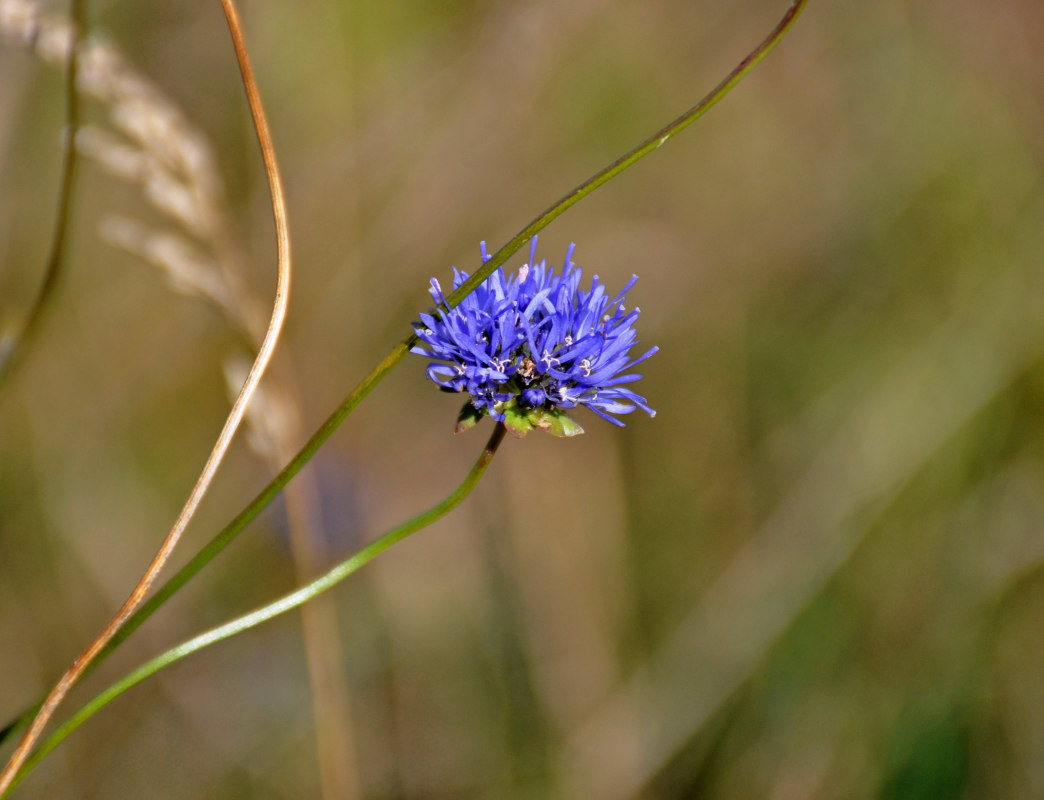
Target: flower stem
x,y
273,609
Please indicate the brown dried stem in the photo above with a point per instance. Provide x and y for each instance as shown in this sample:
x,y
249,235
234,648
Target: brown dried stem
x,y
137,596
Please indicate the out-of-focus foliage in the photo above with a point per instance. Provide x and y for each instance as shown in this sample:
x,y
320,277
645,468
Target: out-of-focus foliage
x,y
815,574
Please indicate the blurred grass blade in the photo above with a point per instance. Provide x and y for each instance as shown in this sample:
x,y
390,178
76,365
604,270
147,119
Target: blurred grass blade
x,y
874,453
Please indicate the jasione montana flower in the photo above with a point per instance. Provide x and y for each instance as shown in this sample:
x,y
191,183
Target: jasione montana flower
x,y
528,346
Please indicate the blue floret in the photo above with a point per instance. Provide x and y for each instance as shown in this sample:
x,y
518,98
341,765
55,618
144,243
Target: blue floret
x,y
532,344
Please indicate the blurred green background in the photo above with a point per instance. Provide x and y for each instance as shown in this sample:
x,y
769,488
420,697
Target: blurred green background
x,y
815,574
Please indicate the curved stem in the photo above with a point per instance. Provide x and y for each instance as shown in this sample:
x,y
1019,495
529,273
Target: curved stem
x,y
13,346
137,595
273,609
233,528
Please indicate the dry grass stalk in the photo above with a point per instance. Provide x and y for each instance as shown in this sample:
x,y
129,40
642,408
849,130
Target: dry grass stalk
x,y
153,145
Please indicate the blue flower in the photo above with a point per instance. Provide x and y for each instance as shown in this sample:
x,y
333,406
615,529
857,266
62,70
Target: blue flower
x,y
527,347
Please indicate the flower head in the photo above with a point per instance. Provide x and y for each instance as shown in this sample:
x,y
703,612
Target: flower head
x,y
528,346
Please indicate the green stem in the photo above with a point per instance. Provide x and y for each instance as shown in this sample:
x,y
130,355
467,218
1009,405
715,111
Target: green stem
x,y
632,156
273,609
230,531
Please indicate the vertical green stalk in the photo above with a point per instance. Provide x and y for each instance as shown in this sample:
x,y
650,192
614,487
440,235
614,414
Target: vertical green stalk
x,y
13,345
